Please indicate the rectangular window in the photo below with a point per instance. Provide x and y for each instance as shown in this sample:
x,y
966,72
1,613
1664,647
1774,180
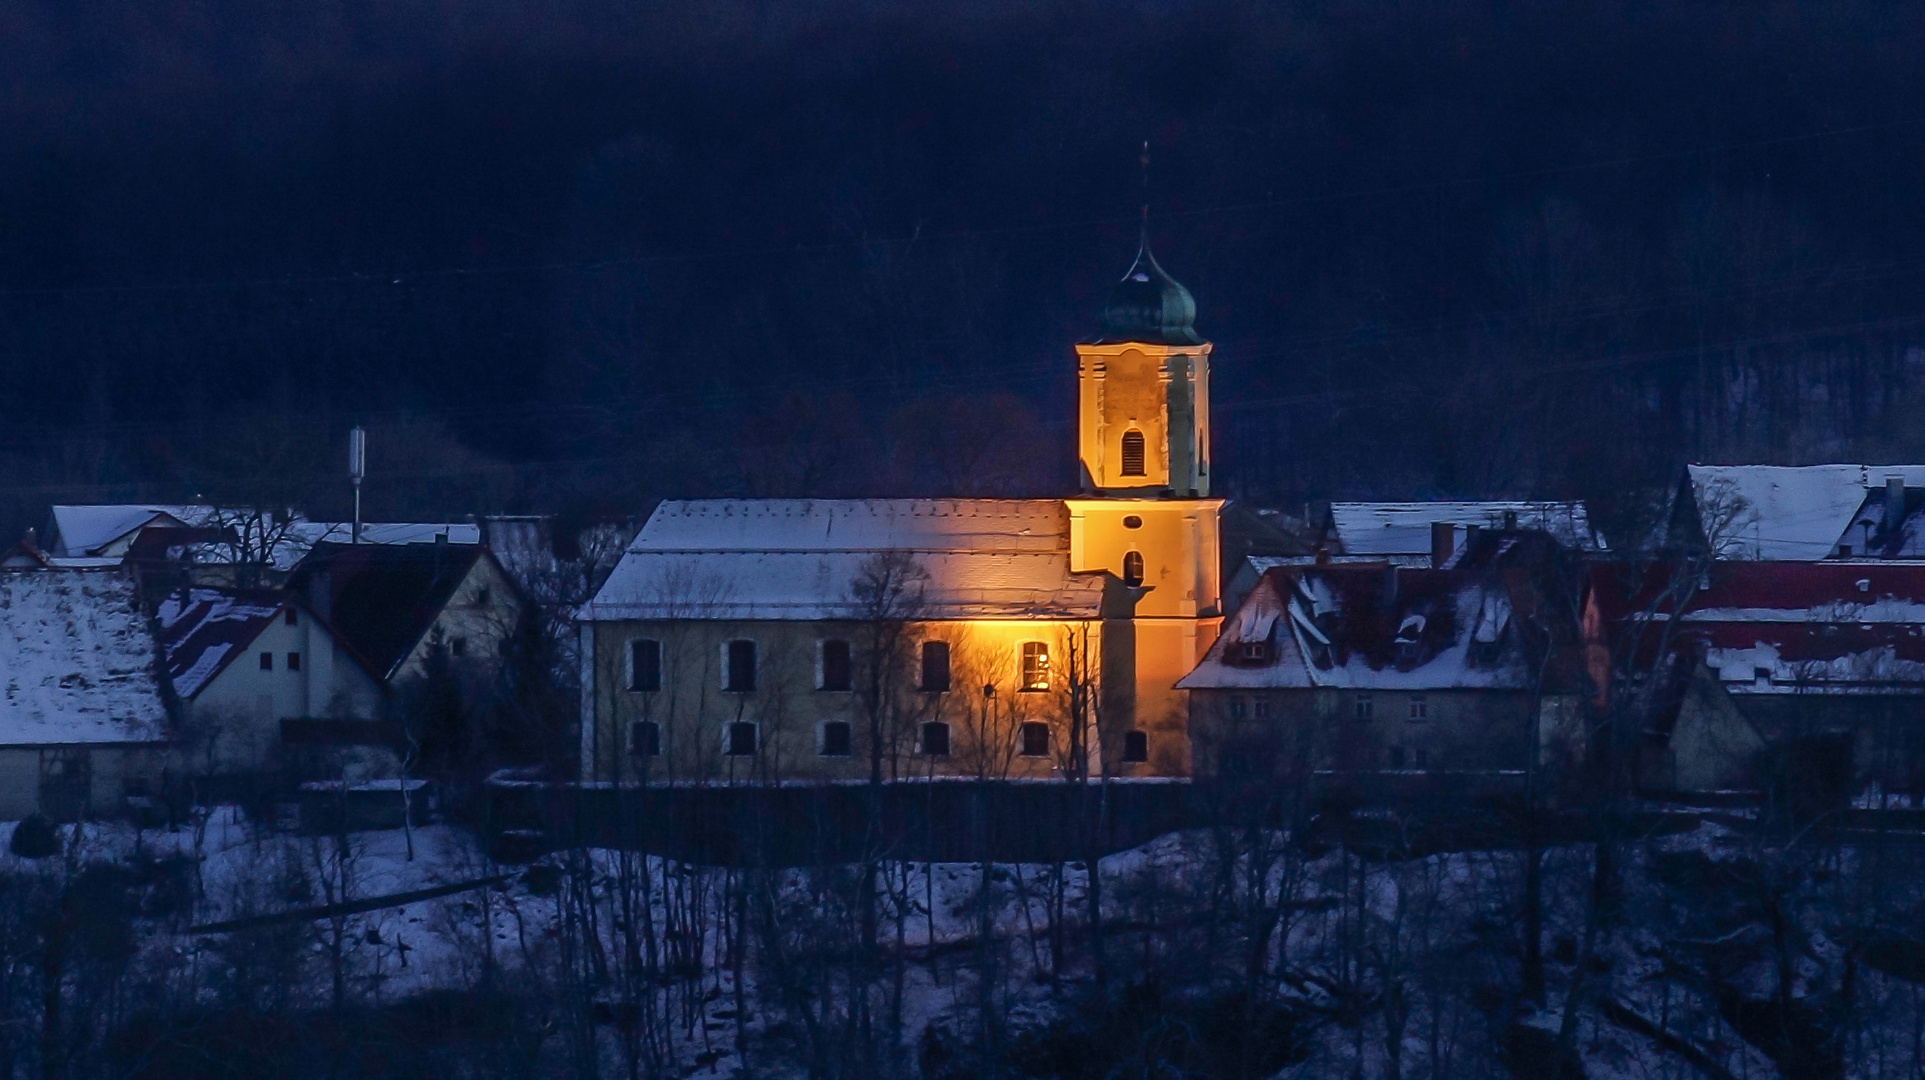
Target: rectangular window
x,y
1035,739
836,739
1423,758
291,618
935,739
1136,746
1419,708
1035,670
267,661
458,646
738,674
644,665
935,666
294,661
838,666
1396,757
1260,708
741,739
1365,707
645,738
1236,709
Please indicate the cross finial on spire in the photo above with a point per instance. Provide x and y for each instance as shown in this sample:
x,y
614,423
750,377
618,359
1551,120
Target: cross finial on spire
x,y
1146,192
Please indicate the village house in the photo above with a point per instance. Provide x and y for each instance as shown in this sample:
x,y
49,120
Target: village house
x,y
1369,677
1777,672
266,688
1798,513
83,727
1044,636
393,605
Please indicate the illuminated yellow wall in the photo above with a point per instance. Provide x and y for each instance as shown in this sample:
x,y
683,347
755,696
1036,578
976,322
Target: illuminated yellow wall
x,y
1162,391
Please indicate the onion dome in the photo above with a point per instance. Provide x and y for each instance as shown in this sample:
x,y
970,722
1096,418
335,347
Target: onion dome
x,y
1149,306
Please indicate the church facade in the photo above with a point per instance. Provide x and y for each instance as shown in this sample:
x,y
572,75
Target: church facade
x,y
840,639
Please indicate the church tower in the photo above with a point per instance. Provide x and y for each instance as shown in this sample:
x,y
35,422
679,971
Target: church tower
x,y
1146,515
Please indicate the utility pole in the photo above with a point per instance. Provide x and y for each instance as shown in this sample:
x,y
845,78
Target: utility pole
x,y
357,467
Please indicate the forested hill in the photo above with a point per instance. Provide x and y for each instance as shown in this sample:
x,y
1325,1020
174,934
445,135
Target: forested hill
x,y
578,254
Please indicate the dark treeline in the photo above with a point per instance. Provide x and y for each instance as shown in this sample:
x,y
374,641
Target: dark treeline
x,y
578,255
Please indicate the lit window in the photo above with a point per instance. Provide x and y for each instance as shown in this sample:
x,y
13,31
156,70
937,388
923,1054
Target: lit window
x,y
741,739
935,666
1035,666
294,661
645,738
644,665
1132,568
1132,453
1136,746
738,667
1035,739
1419,708
935,739
267,661
837,739
838,667
1365,707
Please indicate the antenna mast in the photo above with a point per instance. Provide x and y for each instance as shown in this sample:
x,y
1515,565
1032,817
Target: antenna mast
x,y
357,467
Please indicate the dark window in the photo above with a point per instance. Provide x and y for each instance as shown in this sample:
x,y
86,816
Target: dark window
x,y
1236,707
1419,709
1131,521
294,661
1136,746
1132,568
838,670
740,676
1423,758
1035,739
1132,453
644,665
1261,708
291,618
1396,757
1035,666
836,740
935,739
1365,708
645,738
741,742
481,596
458,646
267,661
935,666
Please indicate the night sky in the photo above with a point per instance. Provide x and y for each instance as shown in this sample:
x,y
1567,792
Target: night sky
x,y
573,257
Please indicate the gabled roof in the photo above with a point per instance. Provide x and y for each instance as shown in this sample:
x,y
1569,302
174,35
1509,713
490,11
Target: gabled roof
x,y
382,598
796,559
77,662
1384,627
203,629
85,530
1785,512
1403,528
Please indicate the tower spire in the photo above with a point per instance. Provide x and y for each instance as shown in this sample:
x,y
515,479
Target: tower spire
x,y
1145,228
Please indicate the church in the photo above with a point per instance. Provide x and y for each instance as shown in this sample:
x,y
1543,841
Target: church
x,y
767,640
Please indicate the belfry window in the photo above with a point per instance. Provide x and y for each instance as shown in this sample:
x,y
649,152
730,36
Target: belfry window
x,y
1132,568
1133,453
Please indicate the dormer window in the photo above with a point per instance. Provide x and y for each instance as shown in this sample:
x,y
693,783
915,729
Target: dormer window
x,y
1253,652
1133,453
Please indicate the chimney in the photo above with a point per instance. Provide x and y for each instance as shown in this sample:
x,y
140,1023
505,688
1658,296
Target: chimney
x,y
1510,520
1443,541
320,592
1390,586
31,538
1471,535
1894,504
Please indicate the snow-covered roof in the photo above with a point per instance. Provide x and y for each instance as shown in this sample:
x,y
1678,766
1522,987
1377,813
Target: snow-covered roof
x,y
1403,528
85,530
203,629
977,525
1329,627
797,558
77,662
1828,627
1785,512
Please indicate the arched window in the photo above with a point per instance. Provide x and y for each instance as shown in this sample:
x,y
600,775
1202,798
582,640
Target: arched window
x,y
1133,453
1132,568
